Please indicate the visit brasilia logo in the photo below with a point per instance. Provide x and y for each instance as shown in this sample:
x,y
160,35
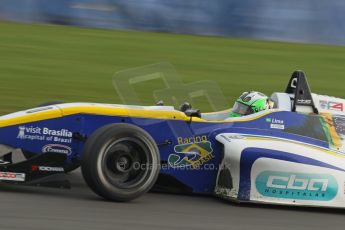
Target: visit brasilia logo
x,y
191,155
21,133
299,186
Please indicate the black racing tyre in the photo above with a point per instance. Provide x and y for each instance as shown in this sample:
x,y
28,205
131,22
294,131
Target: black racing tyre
x,y
120,162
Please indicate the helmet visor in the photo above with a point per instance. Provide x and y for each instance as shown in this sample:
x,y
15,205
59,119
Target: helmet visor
x,y
242,109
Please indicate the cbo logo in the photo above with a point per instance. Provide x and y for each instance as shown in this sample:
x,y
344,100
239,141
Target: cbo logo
x,y
301,186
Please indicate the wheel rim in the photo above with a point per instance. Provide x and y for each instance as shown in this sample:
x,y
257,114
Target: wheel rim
x,y
126,163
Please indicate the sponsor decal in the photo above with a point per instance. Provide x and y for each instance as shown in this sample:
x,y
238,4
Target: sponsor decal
x,y
303,101
44,134
189,140
294,83
11,176
192,155
297,186
57,148
331,105
238,137
228,138
276,123
36,168
339,123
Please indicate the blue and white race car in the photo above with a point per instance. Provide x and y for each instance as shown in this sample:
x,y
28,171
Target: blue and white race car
x,y
293,154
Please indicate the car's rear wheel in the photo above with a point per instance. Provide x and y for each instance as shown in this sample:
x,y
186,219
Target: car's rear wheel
x,y
120,162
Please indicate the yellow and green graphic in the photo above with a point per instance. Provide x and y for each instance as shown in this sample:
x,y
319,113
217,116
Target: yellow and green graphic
x,y
191,155
330,130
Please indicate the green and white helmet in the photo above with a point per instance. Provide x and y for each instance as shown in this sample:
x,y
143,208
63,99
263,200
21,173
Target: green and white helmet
x,y
249,103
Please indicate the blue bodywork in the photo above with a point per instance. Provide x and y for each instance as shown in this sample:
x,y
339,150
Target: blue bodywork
x,y
171,133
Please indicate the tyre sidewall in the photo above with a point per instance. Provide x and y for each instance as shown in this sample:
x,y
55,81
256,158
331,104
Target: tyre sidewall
x,y
94,152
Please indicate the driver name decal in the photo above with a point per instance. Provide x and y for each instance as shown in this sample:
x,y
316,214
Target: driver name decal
x,y
276,123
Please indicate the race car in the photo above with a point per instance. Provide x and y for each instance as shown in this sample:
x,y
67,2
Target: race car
x,y
292,154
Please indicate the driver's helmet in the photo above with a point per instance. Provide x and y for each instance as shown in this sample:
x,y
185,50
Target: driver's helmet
x,y
249,103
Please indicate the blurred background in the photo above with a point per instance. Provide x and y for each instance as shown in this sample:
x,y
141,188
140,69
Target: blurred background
x,y
69,50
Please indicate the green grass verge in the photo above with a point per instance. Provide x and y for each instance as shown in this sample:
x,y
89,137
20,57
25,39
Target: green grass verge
x,y
40,63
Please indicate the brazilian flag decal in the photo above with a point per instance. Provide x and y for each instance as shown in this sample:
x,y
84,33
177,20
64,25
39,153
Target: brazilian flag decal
x,y
191,155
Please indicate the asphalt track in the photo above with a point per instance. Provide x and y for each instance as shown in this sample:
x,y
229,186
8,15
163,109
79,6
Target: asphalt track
x,y
41,208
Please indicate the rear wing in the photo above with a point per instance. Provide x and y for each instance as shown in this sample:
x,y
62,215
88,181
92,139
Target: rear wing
x,y
302,98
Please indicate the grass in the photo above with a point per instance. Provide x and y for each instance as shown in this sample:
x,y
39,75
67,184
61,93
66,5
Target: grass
x,y
40,63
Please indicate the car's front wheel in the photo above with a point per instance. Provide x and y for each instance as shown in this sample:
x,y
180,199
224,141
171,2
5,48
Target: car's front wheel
x,y
120,162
